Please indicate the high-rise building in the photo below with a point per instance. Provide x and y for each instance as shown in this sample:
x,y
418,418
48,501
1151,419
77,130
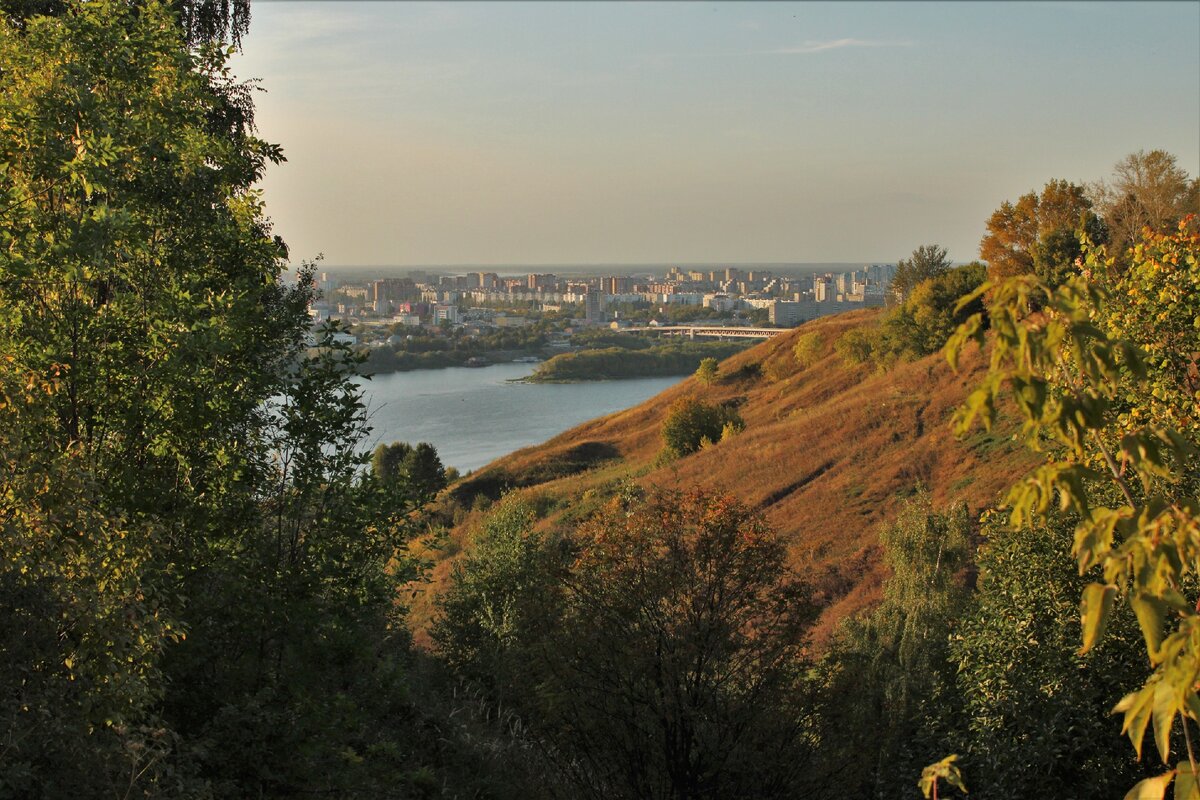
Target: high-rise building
x,y
593,306
618,284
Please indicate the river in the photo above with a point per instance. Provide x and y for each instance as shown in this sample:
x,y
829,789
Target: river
x,y
475,415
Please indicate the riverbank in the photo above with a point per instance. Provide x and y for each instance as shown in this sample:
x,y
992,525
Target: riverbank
x,y
474,416
613,363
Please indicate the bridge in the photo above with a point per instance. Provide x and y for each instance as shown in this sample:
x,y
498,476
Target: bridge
x,y
714,331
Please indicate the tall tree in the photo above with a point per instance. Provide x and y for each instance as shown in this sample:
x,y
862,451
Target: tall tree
x,y
1039,234
424,470
138,278
1146,190
927,261
202,581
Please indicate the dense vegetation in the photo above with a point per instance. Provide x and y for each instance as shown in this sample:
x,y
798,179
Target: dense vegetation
x,y
425,351
198,574
626,362
203,577
655,651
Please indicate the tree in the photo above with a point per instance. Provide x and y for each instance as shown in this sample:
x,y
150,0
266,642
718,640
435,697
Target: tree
x,y
1092,372
1037,714
677,669
706,373
927,261
1040,233
888,698
923,322
856,346
202,580
201,21
1147,190
498,603
388,461
416,470
138,280
426,476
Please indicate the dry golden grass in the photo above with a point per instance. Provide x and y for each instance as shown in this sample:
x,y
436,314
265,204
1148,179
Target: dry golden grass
x,y
828,454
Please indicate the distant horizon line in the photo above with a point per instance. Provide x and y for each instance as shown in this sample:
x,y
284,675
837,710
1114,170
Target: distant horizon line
x,y
624,264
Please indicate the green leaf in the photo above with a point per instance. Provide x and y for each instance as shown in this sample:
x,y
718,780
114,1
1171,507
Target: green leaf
x,y
1165,708
1151,788
1094,612
1186,785
944,769
1136,706
1150,613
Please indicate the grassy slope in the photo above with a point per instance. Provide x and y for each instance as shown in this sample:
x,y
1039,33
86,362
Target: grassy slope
x,y
827,455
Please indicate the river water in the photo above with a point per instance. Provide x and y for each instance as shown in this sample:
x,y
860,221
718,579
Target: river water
x,y
475,415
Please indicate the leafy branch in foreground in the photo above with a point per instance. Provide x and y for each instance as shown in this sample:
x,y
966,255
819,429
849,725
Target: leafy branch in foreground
x,y
1102,370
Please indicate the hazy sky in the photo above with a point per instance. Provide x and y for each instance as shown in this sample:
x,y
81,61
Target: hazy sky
x,y
608,132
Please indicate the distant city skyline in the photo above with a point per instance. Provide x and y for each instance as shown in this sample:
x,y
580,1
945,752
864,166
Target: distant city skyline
x,y
542,134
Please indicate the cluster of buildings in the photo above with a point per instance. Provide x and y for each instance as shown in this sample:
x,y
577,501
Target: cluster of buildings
x,y
425,298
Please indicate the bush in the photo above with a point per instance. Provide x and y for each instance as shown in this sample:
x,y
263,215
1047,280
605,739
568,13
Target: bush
x,y
809,348
486,610
917,328
691,422
855,346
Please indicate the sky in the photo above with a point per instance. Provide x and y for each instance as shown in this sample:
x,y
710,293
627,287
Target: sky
x,y
616,132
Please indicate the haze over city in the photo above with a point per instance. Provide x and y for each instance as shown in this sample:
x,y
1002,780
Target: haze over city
x,y
493,133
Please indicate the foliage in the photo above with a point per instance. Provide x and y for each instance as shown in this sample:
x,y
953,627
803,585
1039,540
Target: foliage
x,y
680,674
495,600
84,625
945,770
1083,375
1039,235
1036,712
137,283
414,469
888,699
706,373
201,578
927,261
617,362
1147,190
690,423
918,326
809,347
923,322
855,347
289,640
200,21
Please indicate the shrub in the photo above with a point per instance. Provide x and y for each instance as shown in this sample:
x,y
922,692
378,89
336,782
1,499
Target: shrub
x,y
855,346
809,348
707,371
690,422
